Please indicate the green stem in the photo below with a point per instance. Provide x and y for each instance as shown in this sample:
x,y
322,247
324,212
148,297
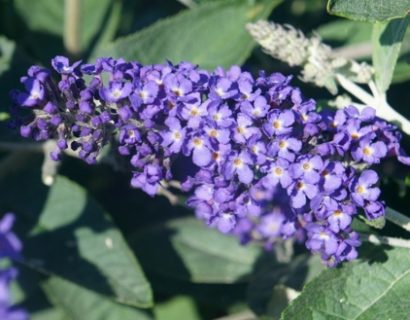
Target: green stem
x,y
383,109
398,219
394,242
72,13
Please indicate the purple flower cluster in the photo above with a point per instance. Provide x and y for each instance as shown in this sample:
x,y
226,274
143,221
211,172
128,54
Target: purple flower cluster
x,y
10,247
267,164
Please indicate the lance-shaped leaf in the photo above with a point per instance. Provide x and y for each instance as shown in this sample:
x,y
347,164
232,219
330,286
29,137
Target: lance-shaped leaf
x,y
211,34
376,287
192,251
387,39
80,303
67,234
369,10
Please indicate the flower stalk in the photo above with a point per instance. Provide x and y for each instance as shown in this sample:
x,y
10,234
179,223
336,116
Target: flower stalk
x,y
380,240
398,219
72,27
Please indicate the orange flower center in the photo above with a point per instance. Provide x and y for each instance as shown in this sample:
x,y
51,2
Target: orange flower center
x,y
278,171
276,124
360,189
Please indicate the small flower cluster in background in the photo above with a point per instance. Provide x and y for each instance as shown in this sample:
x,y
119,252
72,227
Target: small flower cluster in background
x,y
320,64
10,247
266,164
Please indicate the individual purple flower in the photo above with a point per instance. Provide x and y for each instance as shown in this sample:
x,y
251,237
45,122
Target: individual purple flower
x,y
363,189
244,129
194,111
346,250
149,179
341,218
279,122
218,135
177,84
248,205
174,139
332,176
10,245
7,311
220,115
321,240
224,222
62,65
368,151
222,89
247,90
277,173
144,94
285,148
202,201
219,155
299,191
270,225
256,109
367,114
239,164
129,134
116,91
257,148
355,131
308,168
201,153
34,94
374,209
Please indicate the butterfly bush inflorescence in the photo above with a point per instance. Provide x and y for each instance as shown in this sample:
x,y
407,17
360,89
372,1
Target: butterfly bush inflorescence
x,y
267,165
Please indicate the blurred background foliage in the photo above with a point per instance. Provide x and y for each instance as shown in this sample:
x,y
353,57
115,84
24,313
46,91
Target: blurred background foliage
x,y
96,249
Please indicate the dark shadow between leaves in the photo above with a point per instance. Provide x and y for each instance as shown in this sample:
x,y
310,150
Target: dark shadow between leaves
x,y
131,209
61,255
390,34
170,277
268,272
158,255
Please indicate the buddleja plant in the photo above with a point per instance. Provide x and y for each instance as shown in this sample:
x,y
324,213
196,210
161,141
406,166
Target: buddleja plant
x,y
266,170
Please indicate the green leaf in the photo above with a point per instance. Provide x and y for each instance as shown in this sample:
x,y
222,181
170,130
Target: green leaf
x,y
91,242
345,31
387,38
375,288
211,34
26,291
7,49
401,72
192,251
193,3
98,22
81,303
53,298
356,35
69,235
369,10
175,307
49,314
